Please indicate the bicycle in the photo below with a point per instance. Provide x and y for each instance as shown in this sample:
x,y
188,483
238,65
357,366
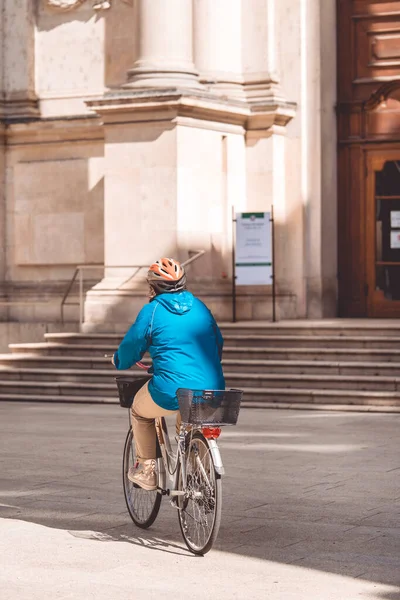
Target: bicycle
x,y
191,476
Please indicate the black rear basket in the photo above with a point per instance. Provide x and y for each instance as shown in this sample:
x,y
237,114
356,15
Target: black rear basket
x,y
128,387
209,407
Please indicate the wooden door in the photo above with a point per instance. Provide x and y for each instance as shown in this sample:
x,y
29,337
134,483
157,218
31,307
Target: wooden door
x,y
382,234
368,109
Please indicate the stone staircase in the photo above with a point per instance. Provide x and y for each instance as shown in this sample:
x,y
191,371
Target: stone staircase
x,y
350,365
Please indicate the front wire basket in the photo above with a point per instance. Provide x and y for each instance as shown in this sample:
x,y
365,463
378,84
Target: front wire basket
x,y
209,407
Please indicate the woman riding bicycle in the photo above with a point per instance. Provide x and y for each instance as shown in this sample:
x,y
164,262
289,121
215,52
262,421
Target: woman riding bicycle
x,y
185,344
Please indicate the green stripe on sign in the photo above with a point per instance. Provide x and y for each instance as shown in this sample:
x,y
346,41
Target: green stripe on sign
x,y
253,264
249,215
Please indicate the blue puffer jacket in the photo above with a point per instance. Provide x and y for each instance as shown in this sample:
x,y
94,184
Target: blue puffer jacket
x,y
183,340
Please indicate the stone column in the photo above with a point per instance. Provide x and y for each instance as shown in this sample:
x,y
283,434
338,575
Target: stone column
x,y
218,45
165,45
19,98
267,169
260,49
307,69
2,175
175,160
3,311
319,185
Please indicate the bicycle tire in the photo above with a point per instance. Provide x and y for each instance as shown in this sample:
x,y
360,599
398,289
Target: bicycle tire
x,y
210,499
136,497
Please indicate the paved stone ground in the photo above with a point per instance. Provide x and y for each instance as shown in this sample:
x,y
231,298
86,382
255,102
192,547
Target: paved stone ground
x,y
311,510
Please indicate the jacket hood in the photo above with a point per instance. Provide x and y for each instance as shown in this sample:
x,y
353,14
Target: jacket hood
x,y
178,303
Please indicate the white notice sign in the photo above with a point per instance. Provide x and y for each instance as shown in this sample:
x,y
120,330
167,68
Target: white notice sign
x,y
395,219
395,239
253,249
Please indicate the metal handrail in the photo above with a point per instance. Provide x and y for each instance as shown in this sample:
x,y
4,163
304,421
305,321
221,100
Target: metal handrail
x,y
199,254
79,270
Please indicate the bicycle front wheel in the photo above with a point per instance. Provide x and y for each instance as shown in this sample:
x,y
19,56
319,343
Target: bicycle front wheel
x,y
200,508
143,506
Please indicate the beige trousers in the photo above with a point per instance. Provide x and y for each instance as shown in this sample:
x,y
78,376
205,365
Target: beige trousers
x,y
143,413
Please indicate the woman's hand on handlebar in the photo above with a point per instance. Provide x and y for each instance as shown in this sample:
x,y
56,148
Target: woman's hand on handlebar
x,y
112,356
138,364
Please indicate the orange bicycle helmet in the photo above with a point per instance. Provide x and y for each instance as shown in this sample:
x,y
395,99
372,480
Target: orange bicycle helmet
x,y
166,275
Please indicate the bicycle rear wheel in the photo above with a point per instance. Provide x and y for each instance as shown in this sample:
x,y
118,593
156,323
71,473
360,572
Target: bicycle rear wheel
x,y
200,509
143,506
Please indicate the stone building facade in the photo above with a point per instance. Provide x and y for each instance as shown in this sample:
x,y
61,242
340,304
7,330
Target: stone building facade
x,y
131,129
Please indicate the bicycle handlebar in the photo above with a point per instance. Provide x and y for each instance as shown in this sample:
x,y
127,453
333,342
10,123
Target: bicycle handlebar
x,y
138,364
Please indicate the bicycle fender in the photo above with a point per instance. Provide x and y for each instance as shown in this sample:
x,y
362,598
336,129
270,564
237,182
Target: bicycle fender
x,y
216,456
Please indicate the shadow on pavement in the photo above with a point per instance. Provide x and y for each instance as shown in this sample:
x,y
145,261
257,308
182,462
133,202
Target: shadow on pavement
x,y
143,540
317,491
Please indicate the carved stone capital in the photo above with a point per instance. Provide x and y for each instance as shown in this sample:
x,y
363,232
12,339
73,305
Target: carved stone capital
x,y
64,5
257,119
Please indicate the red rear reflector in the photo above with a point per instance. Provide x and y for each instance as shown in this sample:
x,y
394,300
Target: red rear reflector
x,y
211,433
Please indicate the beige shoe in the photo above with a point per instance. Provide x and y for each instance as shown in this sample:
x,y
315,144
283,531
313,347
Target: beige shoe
x,y
144,474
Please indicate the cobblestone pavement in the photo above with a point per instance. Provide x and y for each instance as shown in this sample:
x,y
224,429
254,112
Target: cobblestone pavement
x,y
311,510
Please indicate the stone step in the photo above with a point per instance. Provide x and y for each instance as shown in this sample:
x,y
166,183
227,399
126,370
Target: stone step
x,y
105,378
107,387
99,376
315,382
336,327
313,367
37,361
253,397
359,408
323,397
60,349
54,398
12,367
108,342
93,368
313,342
239,352
60,368
313,355
62,388
325,327
338,365
103,339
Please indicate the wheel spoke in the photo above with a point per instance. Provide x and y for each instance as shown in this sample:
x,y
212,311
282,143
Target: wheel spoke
x,y
142,505
199,508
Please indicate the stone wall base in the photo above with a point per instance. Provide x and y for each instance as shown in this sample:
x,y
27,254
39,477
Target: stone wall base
x,y
111,310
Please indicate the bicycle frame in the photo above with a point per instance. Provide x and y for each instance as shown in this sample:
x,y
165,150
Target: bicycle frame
x,y
169,473
168,457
